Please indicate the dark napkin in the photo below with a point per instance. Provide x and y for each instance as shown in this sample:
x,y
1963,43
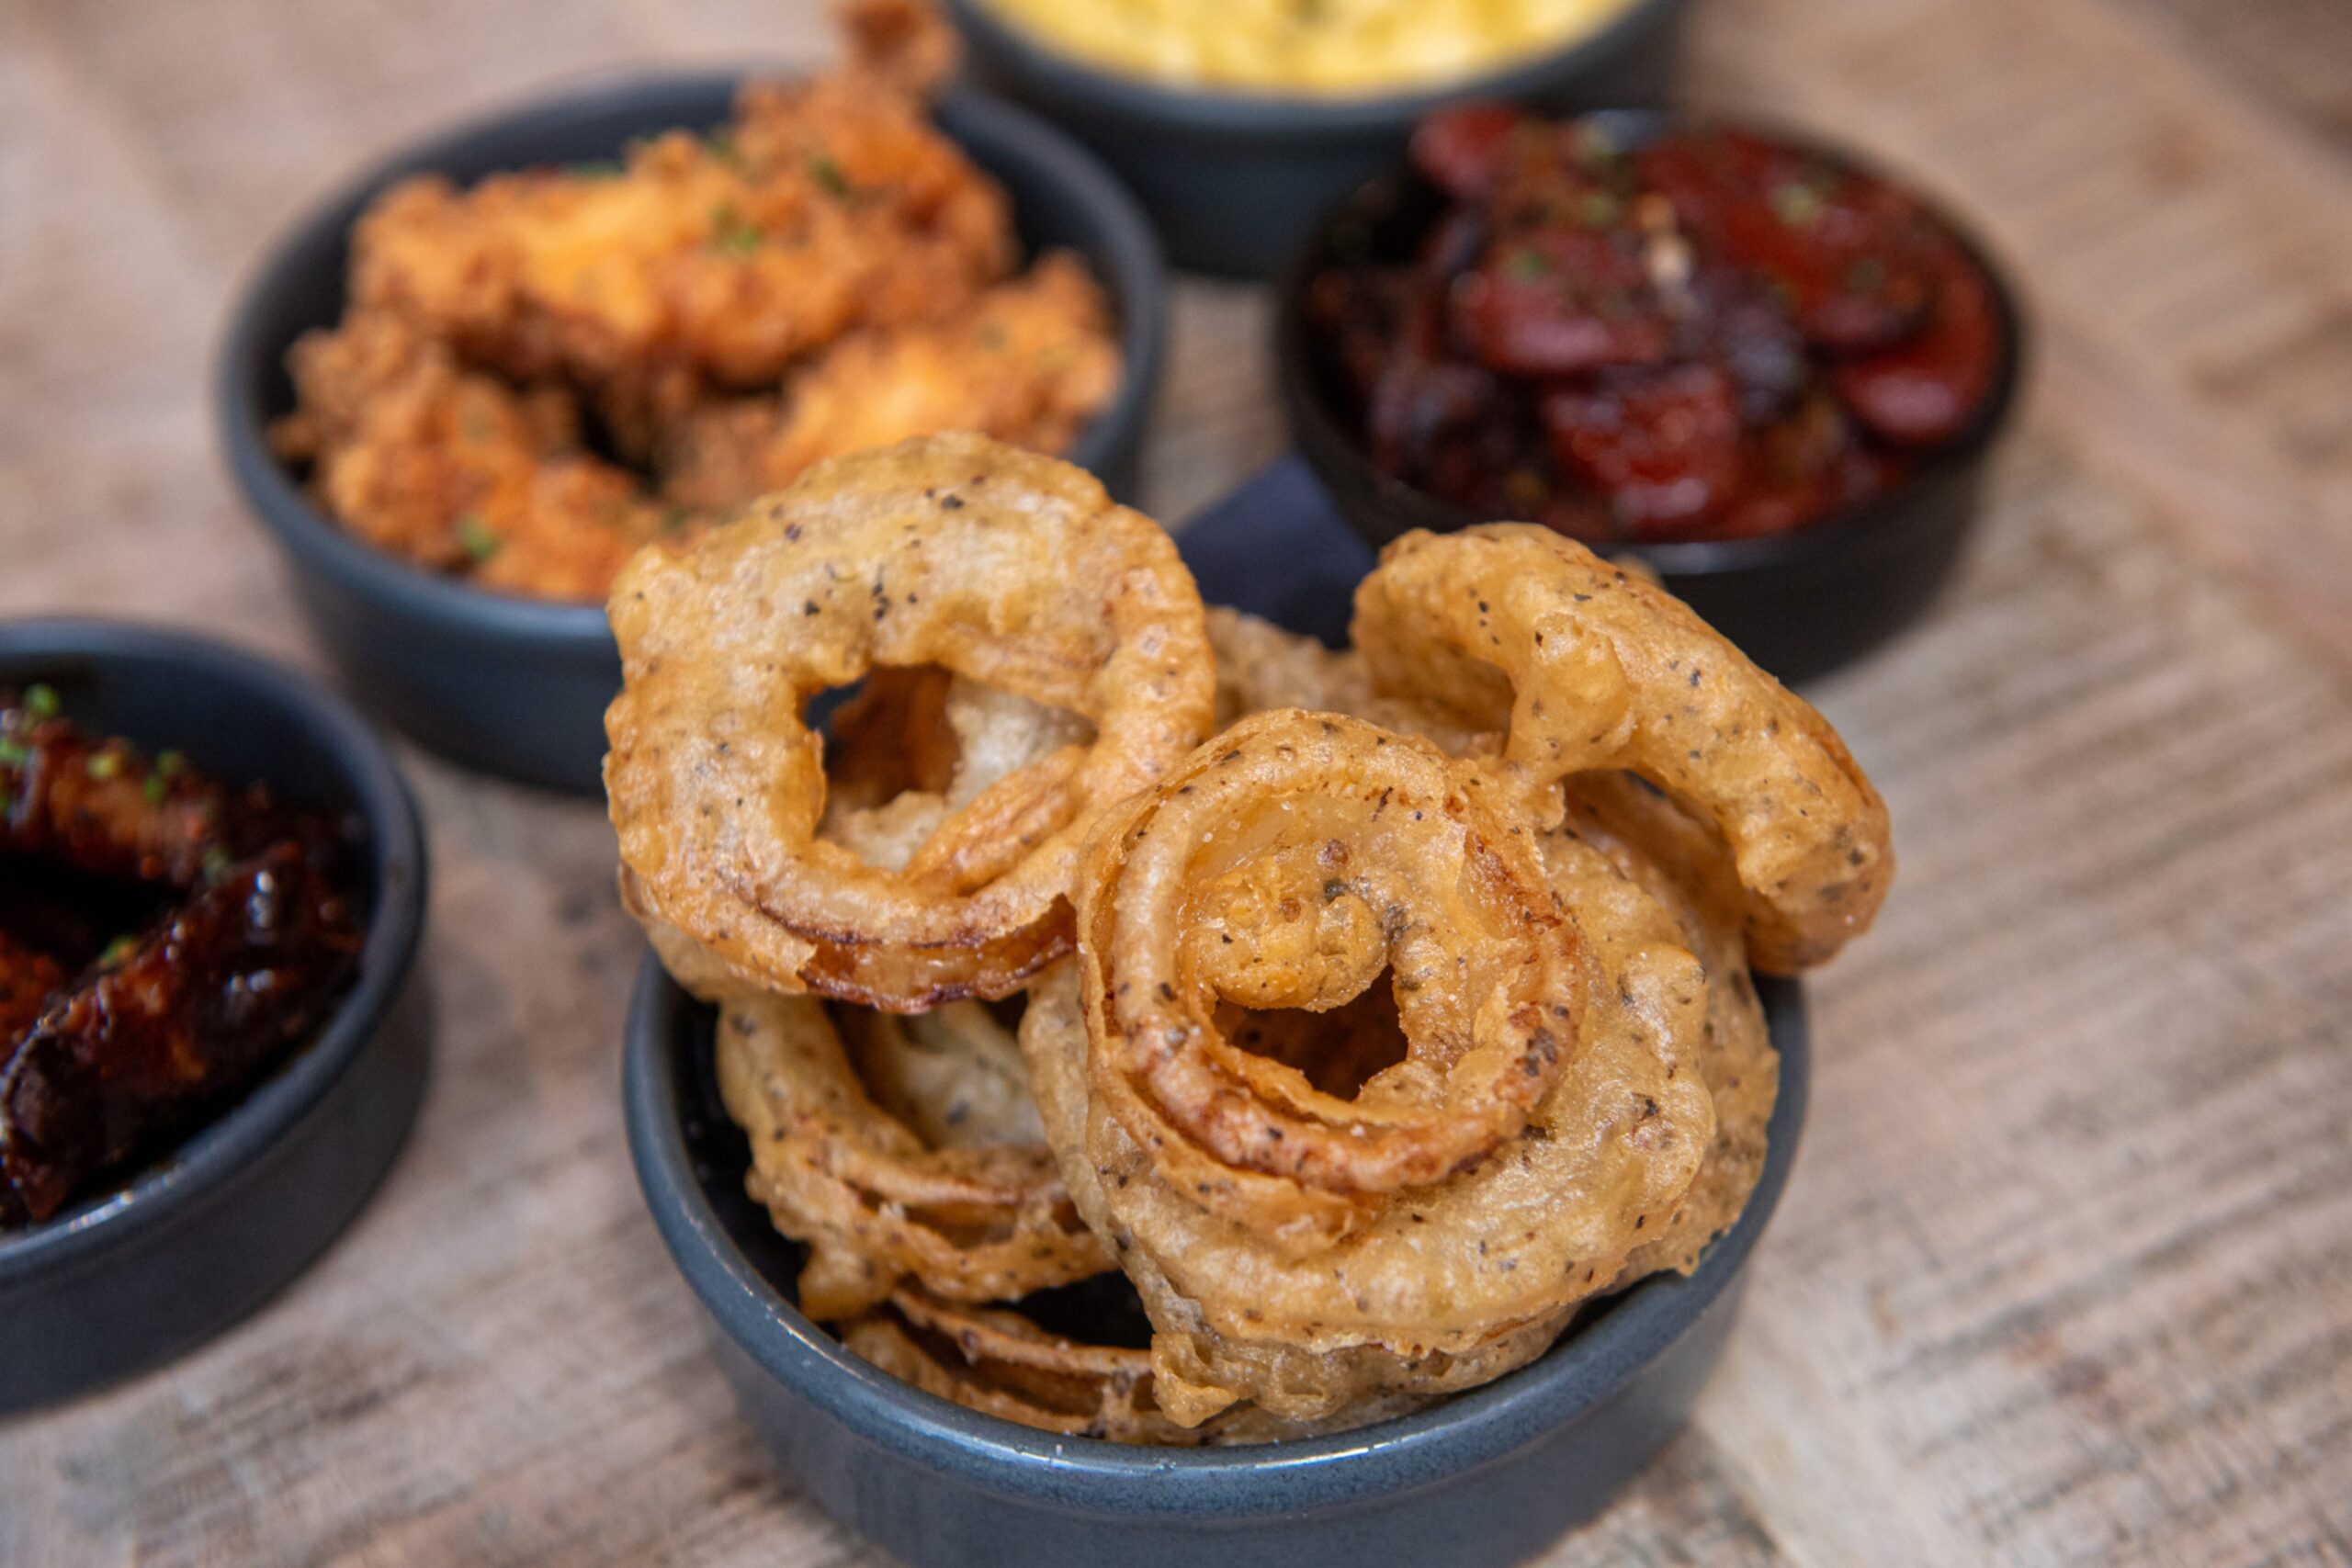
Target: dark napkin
x,y
1278,548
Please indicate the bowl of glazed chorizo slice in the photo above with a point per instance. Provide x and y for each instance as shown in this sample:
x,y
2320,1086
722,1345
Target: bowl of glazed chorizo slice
x,y
1134,1084
1739,356
212,885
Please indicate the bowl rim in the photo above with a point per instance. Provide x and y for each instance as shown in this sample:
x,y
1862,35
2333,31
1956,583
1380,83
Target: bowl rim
x,y
1131,259
215,1160
1588,1366
1243,115
1319,434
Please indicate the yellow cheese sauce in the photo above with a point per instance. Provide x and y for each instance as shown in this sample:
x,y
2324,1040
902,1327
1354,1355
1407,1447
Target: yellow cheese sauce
x,y
1324,47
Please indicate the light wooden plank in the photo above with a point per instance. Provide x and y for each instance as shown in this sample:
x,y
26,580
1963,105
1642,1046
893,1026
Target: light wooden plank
x,y
2063,1274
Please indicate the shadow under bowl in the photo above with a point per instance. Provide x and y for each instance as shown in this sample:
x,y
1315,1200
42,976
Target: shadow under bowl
x,y
1800,603
517,686
133,1276
1484,1478
1234,178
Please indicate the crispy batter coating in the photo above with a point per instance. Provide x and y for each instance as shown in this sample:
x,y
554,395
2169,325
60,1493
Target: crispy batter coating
x,y
827,273
1587,667
832,203
1002,1364
456,469
1395,1031
1011,570
1447,1283
1679,860
1292,864
954,1189
1030,362
1684,865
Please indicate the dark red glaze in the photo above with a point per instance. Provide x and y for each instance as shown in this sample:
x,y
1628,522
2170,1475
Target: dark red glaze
x,y
101,1057
1713,336
28,978
1922,392
102,808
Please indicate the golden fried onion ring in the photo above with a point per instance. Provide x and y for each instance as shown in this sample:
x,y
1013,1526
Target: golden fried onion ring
x,y
1289,864
1511,626
1679,860
1011,569
971,1204
1682,863
1425,1289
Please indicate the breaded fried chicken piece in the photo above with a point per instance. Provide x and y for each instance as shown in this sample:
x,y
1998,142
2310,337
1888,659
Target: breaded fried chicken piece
x,y
456,469
830,204
1031,362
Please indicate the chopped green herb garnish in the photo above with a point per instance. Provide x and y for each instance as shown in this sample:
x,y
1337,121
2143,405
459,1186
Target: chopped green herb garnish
x,y
475,538
1528,262
172,764
155,788
1599,209
13,755
1798,205
826,173
41,702
117,951
105,765
720,143
730,235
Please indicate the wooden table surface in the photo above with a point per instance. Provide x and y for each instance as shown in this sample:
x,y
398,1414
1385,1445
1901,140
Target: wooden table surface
x,y
2065,1273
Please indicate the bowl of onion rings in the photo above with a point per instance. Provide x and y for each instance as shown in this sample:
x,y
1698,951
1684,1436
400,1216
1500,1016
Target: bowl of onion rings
x,y
438,625
1162,1084
1486,1477
1747,360
215,882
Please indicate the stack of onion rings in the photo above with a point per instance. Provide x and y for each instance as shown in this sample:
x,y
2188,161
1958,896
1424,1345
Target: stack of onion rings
x,y
1406,1014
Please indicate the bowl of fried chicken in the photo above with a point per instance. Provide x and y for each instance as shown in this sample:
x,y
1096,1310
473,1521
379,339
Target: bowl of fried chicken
x,y
466,388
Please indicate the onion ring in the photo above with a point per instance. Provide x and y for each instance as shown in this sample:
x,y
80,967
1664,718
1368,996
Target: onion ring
x,y
1013,571
979,1215
1584,666
1253,1292
1001,1363
1286,866
1682,863
1680,860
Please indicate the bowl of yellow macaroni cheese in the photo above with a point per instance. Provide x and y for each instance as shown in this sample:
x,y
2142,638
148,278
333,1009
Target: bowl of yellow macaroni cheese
x,y
1236,122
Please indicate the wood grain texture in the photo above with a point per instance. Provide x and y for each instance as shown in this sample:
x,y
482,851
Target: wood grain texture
x,y
2065,1273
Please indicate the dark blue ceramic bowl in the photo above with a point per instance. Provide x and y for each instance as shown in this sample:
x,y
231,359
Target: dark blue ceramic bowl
x,y
130,1277
1801,603
1485,1478
518,686
1232,179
